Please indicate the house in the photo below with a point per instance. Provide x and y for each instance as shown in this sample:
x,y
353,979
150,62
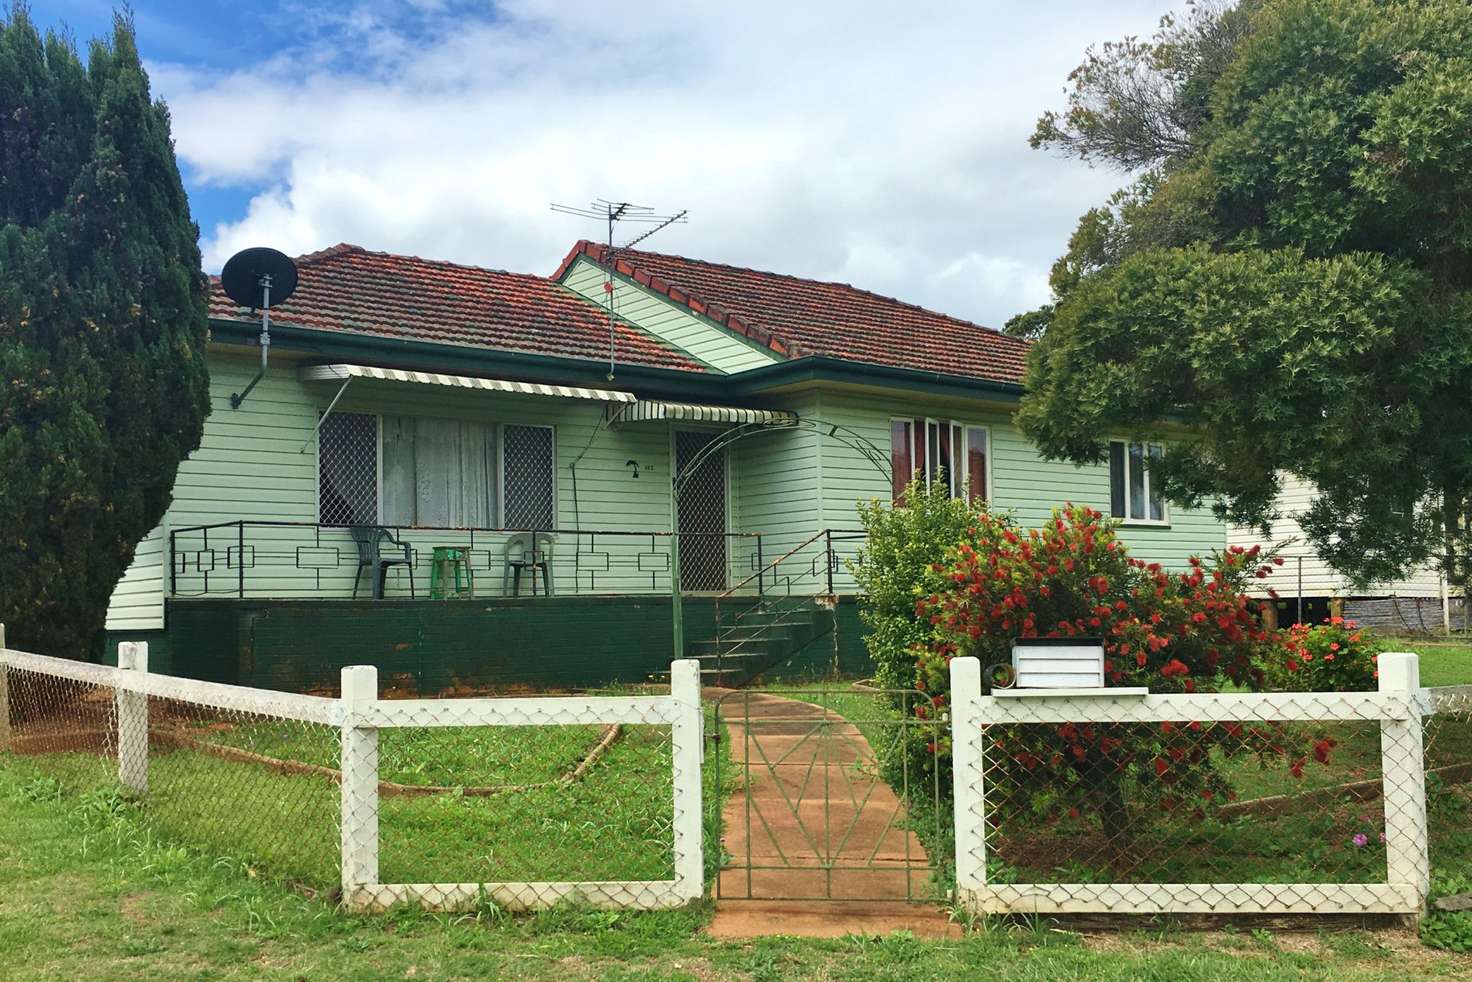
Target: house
x,y
460,407
1309,589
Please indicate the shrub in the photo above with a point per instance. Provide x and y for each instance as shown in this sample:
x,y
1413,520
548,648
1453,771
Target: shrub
x,y
1184,631
1173,632
894,569
1336,656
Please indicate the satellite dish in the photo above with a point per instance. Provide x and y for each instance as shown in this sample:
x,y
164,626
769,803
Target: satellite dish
x,y
259,277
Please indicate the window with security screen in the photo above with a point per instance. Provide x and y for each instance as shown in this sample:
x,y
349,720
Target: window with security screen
x,y
529,477
347,469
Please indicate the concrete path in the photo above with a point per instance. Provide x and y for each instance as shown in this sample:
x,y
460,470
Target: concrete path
x,y
816,843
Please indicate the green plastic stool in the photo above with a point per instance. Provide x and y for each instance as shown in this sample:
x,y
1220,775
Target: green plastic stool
x,y
449,574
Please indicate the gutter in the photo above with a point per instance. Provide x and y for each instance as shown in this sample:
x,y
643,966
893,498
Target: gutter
x,y
434,356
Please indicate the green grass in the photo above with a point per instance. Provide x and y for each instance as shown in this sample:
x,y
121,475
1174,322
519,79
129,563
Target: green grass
x,y
87,891
1442,662
614,823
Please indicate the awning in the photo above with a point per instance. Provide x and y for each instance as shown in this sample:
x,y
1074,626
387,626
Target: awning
x,y
340,373
645,410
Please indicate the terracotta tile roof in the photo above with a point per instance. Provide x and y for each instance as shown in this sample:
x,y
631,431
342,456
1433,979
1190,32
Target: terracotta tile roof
x,y
795,317
348,288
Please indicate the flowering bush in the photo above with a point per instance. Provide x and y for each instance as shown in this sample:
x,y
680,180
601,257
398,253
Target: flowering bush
x,y
1336,656
1183,631
1173,632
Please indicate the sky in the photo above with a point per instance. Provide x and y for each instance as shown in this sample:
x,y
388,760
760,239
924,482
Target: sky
x,y
878,144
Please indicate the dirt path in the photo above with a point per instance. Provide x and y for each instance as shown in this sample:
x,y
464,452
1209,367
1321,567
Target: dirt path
x,y
816,840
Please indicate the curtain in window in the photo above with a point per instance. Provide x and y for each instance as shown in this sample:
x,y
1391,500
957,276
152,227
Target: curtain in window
x,y
901,469
439,472
976,451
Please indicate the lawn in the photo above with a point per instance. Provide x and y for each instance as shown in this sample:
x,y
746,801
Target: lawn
x,y
549,803
86,892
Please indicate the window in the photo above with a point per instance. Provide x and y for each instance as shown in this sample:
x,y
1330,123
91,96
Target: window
x,y
347,469
941,452
1131,496
436,473
529,477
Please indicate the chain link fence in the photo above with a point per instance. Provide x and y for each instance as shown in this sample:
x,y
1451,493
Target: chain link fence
x,y
1448,741
443,803
1213,803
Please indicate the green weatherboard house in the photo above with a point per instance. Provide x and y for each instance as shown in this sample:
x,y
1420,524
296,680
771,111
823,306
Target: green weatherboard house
x,y
436,473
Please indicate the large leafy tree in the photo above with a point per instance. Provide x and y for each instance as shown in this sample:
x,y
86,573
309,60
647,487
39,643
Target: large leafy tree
x,y
1284,287
103,385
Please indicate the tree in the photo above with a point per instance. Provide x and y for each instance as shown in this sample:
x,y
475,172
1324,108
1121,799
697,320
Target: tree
x,y
103,321
1286,288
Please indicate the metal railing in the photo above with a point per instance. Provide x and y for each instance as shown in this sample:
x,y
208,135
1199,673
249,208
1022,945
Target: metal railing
x,y
306,560
788,584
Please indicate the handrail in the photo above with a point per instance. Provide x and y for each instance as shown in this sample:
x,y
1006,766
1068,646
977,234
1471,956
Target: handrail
x,y
772,565
763,602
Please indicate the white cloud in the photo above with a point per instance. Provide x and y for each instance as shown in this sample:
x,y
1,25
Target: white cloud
x,y
880,144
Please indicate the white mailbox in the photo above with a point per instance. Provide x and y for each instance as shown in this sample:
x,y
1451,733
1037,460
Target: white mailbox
x,y
1058,663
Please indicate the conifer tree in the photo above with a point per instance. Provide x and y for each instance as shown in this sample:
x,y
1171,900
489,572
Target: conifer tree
x,y
103,322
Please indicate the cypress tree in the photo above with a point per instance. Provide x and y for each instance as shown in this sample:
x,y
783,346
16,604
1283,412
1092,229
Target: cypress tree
x,y
103,323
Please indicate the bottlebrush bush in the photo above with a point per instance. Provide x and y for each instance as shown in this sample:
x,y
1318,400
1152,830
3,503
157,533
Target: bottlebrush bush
x,y
1335,656
1173,631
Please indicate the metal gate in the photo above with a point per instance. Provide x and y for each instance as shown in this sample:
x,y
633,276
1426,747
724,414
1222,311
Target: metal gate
x,y
702,518
836,795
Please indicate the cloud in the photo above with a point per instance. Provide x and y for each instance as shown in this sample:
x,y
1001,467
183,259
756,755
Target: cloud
x,y
882,144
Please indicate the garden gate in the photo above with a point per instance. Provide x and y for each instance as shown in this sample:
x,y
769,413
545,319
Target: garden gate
x,y
836,796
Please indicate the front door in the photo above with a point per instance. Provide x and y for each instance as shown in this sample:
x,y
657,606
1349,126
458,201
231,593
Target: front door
x,y
702,518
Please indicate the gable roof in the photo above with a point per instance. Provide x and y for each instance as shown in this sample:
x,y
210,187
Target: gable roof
x,y
795,316
348,288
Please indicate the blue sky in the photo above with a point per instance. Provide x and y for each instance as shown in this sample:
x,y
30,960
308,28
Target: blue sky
x,y
880,144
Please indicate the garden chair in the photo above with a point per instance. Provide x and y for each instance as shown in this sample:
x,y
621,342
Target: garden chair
x,y
531,552
374,557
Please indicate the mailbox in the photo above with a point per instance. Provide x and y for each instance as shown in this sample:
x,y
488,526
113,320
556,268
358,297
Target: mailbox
x,y
1058,663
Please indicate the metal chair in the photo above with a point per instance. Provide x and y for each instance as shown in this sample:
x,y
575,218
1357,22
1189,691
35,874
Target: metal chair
x,y
371,555
527,551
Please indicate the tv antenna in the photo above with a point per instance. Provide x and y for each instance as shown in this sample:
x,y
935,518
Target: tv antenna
x,y
254,278
614,212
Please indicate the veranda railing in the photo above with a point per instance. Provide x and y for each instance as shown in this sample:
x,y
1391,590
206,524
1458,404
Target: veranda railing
x,y
307,560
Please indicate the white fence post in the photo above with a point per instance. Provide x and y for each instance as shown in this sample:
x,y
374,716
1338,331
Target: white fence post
x,y
359,787
967,774
132,710
685,739
1403,776
4,698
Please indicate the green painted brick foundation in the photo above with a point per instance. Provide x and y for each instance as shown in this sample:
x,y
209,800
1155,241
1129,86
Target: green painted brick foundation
x,y
438,647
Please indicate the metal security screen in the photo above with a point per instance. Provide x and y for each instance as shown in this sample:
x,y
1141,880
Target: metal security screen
x,y
702,513
347,469
530,477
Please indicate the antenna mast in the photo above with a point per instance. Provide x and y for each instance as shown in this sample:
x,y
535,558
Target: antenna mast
x,y
613,212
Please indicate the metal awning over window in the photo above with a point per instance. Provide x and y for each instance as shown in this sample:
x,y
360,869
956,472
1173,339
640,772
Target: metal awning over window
x,y
342,373
646,410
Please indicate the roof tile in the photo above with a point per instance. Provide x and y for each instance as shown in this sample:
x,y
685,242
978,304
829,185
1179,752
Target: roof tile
x,y
348,288
790,315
